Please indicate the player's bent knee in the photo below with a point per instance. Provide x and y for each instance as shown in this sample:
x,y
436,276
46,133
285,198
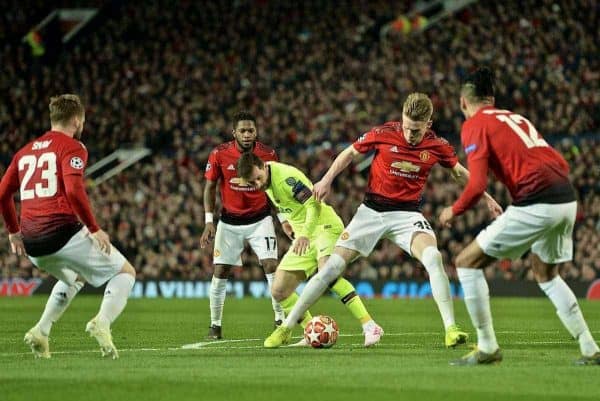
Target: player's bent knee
x,y
269,265
128,268
542,271
463,260
280,293
346,254
333,269
222,271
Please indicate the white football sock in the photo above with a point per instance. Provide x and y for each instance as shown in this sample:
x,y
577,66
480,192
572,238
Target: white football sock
x,y
279,313
218,290
569,313
315,287
115,296
477,299
440,286
58,301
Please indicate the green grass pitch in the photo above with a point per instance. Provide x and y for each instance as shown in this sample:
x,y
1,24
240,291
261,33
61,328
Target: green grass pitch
x,y
409,364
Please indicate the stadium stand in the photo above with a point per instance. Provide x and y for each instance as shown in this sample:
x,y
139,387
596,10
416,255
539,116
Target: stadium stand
x,y
169,77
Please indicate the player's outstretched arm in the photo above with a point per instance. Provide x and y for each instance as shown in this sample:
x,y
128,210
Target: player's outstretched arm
x,y
322,188
8,186
313,211
287,229
461,175
103,241
16,243
210,193
77,196
474,189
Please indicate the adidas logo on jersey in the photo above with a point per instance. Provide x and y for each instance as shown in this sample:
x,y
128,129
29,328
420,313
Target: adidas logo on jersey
x,y
394,149
230,167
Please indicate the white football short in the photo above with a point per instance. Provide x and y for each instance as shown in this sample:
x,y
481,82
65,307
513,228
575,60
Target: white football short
x,y
81,255
368,226
229,241
545,228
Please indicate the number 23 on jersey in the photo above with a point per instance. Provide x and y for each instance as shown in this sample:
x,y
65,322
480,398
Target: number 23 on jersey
x,y
47,187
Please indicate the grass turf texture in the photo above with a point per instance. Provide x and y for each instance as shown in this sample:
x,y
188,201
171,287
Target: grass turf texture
x,y
409,364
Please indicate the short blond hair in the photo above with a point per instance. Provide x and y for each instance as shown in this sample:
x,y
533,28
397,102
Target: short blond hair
x,y
418,107
65,107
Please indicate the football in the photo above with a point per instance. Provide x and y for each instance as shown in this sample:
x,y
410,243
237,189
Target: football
x,y
321,332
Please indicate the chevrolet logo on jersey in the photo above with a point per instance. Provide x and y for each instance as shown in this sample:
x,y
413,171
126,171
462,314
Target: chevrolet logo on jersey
x,y
406,167
240,182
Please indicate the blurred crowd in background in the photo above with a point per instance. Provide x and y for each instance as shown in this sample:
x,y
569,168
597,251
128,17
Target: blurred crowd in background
x,y
317,75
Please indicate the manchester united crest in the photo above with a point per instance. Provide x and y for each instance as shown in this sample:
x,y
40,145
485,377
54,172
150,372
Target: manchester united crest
x,y
424,156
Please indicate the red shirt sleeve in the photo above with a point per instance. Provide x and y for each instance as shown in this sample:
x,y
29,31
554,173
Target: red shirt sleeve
x,y
476,147
475,187
75,189
8,186
74,160
273,156
366,142
564,163
73,165
212,173
448,158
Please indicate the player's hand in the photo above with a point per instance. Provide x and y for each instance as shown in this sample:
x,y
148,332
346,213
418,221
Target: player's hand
x,y
446,217
301,245
102,240
16,243
207,235
493,206
288,230
321,190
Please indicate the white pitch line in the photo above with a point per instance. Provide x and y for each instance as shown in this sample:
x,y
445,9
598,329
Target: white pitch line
x,y
205,343
221,344
424,333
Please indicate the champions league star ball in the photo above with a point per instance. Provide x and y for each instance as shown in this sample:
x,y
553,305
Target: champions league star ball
x,y
321,332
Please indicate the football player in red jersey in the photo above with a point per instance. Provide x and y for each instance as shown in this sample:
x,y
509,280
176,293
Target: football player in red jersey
x,y
541,218
245,216
48,173
405,152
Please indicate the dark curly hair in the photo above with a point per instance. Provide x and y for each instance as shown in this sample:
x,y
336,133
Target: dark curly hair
x,y
243,115
479,86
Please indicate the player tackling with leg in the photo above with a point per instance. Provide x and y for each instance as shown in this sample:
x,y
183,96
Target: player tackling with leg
x,y
314,227
541,218
405,152
48,172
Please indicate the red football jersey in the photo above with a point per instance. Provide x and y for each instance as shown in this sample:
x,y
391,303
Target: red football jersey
x,y
399,170
241,202
38,170
509,145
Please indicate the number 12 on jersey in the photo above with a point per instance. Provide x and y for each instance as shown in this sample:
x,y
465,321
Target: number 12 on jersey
x,y
531,139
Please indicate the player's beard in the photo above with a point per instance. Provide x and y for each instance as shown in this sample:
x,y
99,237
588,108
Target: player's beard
x,y
247,148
